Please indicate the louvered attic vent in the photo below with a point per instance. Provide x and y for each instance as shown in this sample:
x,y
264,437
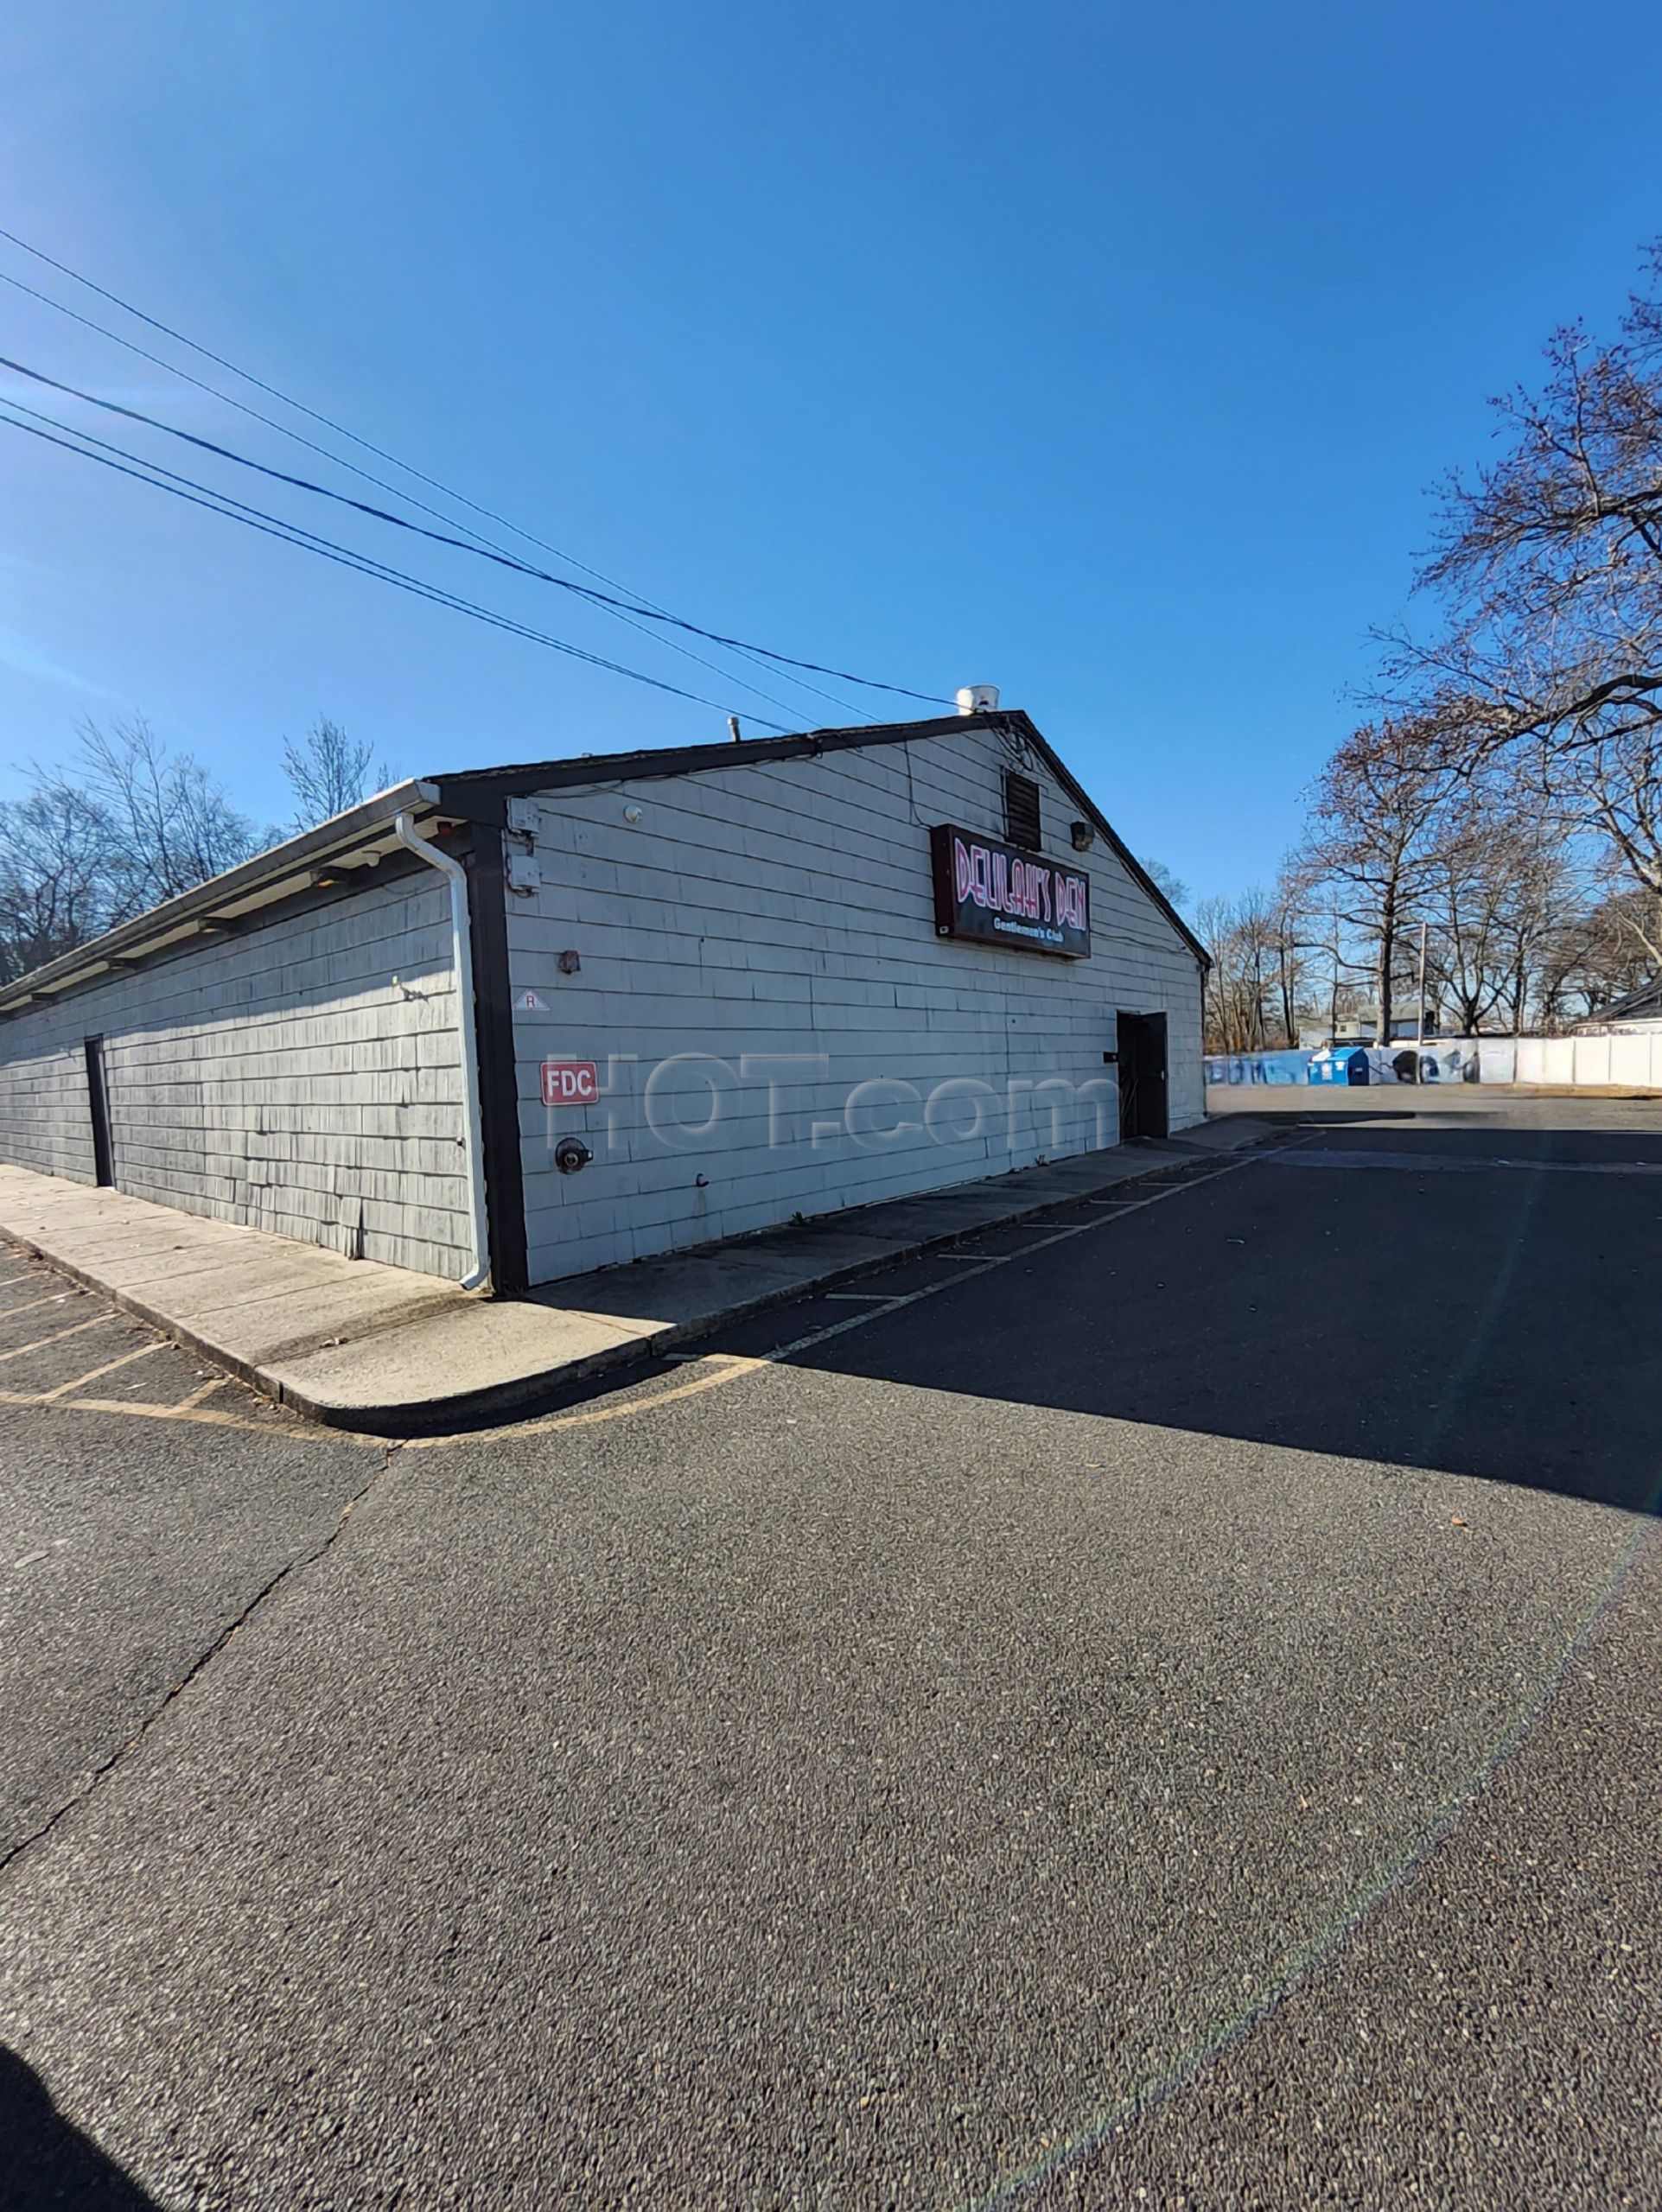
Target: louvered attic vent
x,y
1020,812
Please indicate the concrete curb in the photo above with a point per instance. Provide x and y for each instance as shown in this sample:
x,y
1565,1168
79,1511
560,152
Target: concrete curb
x,y
481,1406
180,1333
465,1408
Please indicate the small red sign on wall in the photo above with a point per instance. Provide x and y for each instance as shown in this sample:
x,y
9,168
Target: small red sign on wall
x,y
570,1083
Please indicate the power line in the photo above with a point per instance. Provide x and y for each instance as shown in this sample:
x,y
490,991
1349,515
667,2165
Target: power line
x,y
221,503
640,604
254,414
484,552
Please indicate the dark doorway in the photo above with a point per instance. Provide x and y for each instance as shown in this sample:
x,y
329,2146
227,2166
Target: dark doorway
x,y
1142,1075
98,1099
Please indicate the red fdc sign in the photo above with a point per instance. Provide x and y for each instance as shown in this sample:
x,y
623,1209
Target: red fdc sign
x,y
570,1083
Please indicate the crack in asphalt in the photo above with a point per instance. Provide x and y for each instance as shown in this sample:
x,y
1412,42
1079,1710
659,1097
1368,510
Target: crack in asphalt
x,y
267,1590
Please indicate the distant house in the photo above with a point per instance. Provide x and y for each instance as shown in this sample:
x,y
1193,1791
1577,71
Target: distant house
x,y
1640,1011
1619,1049
1365,1030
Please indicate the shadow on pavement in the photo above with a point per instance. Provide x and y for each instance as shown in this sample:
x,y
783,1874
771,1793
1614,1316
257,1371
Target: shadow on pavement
x,y
44,2161
1489,1310
1331,1117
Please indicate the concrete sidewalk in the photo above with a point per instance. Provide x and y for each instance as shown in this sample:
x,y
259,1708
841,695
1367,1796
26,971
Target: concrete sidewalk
x,y
374,1348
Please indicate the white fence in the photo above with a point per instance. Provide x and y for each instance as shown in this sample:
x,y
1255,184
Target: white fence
x,y
1624,1060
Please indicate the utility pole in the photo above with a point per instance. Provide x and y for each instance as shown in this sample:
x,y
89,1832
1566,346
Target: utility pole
x,y
1419,1018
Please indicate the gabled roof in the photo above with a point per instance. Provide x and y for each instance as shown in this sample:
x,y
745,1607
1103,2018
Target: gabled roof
x,y
361,837
472,788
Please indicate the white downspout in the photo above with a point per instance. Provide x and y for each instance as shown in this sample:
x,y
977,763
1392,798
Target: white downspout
x,y
462,950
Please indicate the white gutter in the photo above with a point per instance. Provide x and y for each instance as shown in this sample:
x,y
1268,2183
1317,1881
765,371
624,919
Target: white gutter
x,y
461,950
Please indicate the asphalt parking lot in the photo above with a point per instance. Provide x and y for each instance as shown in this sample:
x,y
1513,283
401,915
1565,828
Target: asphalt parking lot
x,y
1161,1704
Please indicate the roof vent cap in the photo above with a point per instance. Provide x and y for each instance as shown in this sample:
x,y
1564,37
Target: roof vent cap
x,y
978,699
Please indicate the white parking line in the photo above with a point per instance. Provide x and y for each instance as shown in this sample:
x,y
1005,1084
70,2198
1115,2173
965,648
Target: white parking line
x,y
985,1266
720,1367
728,1367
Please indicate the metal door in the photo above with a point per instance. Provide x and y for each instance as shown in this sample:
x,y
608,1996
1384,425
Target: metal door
x,y
1142,1075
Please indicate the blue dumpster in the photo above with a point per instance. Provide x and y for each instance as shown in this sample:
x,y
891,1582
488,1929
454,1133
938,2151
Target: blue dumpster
x,y
1346,1064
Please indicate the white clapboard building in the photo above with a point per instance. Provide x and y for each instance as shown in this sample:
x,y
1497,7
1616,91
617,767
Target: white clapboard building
x,y
511,1025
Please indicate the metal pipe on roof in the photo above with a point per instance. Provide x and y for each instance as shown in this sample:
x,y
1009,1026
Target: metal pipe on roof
x,y
461,951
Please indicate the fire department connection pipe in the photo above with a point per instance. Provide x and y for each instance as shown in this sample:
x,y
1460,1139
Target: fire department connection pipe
x,y
462,952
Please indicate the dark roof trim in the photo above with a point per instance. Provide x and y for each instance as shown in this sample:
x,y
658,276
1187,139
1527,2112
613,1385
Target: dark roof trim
x,y
275,871
1133,867
478,793
490,785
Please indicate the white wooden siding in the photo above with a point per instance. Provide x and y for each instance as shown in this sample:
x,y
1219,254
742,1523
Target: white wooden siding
x,y
788,908
304,1078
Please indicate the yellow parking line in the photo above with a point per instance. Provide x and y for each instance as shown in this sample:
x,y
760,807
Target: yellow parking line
x,y
728,1367
93,1373
195,1397
10,1312
205,1414
58,1335
137,1409
722,1366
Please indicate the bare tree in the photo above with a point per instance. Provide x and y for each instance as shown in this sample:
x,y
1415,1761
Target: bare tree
x,y
327,771
1374,846
1502,877
1251,1001
56,883
170,824
129,824
1222,1012
1596,956
1255,941
1332,964
1619,785
1546,885
1290,943
1172,887
1549,561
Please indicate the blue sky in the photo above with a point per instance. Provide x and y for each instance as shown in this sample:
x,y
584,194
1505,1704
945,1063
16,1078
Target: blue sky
x,y
1103,353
